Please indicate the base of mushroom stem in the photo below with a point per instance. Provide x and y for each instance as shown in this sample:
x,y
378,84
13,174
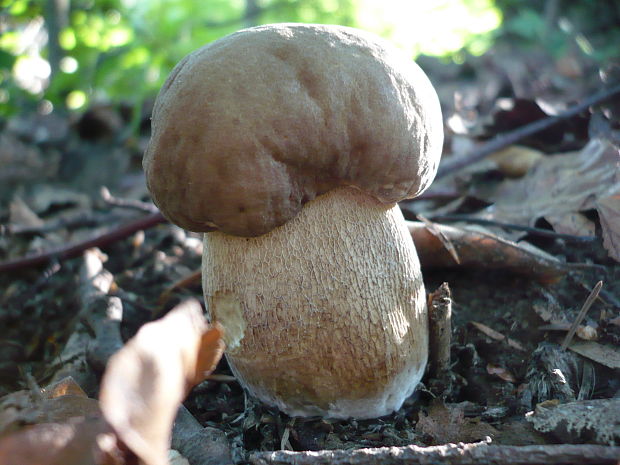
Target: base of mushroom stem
x,y
387,402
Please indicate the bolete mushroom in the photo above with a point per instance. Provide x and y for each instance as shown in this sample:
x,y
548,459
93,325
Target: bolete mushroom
x,y
289,146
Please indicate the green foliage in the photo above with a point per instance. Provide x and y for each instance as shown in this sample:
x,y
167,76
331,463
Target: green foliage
x,y
591,27
122,50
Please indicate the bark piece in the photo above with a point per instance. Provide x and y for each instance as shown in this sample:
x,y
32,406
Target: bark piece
x,y
596,421
201,446
440,330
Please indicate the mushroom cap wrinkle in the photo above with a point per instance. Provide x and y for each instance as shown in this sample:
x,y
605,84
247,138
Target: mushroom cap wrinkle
x,y
252,126
289,146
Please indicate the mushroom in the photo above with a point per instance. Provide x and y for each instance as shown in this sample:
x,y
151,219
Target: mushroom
x,y
289,146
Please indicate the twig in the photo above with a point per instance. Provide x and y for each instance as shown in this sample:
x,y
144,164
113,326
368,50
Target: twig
x,y
581,315
100,312
504,140
440,330
454,454
75,250
108,198
186,281
490,332
94,285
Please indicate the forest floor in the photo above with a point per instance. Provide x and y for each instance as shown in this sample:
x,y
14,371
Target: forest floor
x,y
508,320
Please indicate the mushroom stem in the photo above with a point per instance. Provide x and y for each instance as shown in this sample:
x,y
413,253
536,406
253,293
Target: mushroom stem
x,y
325,315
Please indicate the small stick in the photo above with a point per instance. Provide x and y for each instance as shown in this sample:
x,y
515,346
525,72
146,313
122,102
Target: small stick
x,y
455,454
75,250
440,330
126,203
508,138
581,315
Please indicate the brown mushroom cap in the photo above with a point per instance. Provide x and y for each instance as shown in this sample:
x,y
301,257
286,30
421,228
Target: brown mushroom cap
x,y
249,128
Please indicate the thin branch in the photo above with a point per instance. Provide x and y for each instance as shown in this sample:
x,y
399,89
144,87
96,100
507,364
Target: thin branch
x,y
75,250
110,199
582,314
456,454
504,140
440,330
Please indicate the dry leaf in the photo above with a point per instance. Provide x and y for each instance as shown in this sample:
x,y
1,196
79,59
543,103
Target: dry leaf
x,y
490,332
482,249
516,160
609,215
572,223
558,185
447,424
77,442
501,373
604,354
63,408
146,380
20,214
435,230
587,333
51,406
64,387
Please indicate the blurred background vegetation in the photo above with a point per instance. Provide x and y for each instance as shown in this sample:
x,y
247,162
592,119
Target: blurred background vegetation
x,y
63,55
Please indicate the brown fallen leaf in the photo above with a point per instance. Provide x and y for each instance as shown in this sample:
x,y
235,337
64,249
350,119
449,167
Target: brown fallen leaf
x,y
501,373
484,250
560,186
447,424
609,214
148,378
573,223
66,386
602,353
516,160
81,441
436,230
51,405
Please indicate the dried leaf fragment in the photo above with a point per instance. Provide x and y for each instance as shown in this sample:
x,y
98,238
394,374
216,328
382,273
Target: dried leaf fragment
x,y
516,160
447,424
501,373
146,380
83,441
490,332
609,215
484,250
602,353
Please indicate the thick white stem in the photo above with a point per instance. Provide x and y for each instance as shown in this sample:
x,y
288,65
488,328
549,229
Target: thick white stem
x,y
325,315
